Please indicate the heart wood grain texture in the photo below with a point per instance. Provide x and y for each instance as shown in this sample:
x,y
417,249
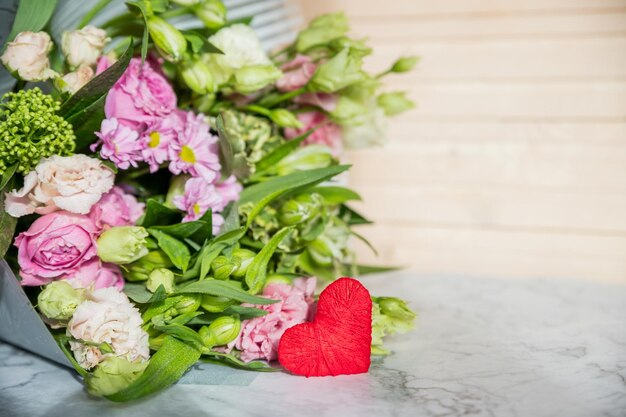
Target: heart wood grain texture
x,y
338,341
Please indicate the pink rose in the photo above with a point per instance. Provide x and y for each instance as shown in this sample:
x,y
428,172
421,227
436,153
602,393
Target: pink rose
x,y
296,73
141,94
116,208
55,245
95,275
259,337
326,132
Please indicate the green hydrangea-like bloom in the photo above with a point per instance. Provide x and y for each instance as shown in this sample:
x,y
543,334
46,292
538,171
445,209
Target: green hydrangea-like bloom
x,y
30,130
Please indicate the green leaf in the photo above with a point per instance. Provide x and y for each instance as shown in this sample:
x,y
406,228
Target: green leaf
x,y
145,13
87,122
230,360
256,275
226,149
77,108
166,367
183,333
354,218
176,250
216,247
223,289
32,15
282,151
373,269
200,43
206,231
336,195
159,215
265,192
181,230
137,292
7,176
231,217
364,240
93,12
7,229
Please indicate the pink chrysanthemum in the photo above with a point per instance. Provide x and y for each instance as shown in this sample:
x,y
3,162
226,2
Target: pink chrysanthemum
x,y
156,140
228,190
195,152
200,196
120,144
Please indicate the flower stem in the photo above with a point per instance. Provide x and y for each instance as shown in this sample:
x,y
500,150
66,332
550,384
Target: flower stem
x,y
93,12
274,101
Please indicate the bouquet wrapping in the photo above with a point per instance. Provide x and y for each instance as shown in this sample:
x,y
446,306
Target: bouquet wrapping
x,y
172,196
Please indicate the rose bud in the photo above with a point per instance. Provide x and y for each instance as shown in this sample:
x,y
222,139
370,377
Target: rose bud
x,y
158,277
59,300
168,40
255,77
140,270
225,329
27,56
74,81
215,304
244,257
84,46
404,64
188,303
113,374
285,118
123,244
222,267
337,73
394,103
212,13
197,76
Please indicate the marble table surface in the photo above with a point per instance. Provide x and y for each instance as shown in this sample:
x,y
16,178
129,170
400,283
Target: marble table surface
x,y
482,347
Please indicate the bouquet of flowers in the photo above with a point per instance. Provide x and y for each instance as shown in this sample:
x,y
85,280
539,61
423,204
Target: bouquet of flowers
x,y
170,196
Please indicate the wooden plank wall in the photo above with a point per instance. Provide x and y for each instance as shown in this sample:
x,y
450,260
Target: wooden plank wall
x,y
514,162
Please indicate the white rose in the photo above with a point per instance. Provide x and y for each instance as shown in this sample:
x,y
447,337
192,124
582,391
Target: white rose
x,y
373,130
74,81
27,56
241,48
73,183
84,46
107,317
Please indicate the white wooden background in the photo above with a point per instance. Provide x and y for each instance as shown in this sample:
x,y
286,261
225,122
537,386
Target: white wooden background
x,y
514,162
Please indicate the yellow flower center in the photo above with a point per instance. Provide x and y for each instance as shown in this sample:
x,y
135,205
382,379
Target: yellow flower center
x,y
155,139
196,208
187,155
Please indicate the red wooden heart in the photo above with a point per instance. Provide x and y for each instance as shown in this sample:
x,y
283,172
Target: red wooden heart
x,y
338,341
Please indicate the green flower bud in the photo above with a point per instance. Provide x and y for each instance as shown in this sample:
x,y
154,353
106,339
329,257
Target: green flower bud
x,y
394,103
222,267
363,91
212,13
253,78
122,244
395,308
301,209
157,341
186,3
225,329
305,158
158,277
349,112
285,118
113,374
322,30
168,40
244,258
321,251
215,304
404,64
278,279
140,270
338,72
58,300
196,74
357,47
188,303
207,336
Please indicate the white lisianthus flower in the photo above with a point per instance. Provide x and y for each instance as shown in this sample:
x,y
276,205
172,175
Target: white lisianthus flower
x,y
107,316
84,46
73,183
27,56
371,132
74,81
241,48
